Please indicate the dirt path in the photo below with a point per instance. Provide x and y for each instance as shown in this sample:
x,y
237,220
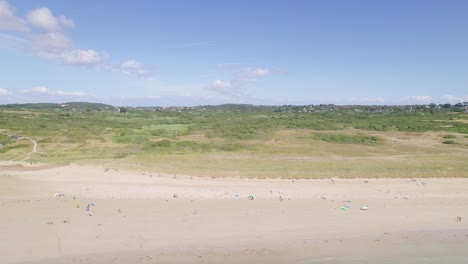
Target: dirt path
x,y
34,149
27,155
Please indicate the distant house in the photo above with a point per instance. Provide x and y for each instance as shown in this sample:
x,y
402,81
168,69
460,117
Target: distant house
x,y
16,137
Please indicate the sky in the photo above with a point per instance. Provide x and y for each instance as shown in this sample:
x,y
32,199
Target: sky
x,y
269,52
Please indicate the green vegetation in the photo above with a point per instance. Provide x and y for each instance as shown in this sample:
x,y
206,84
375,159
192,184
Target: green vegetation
x,y
449,136
346,138
168,146
244,140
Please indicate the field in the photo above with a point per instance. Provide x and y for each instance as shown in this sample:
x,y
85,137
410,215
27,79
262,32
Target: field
x,y
243,141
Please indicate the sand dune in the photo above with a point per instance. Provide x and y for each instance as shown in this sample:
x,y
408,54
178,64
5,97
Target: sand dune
x,y
143,217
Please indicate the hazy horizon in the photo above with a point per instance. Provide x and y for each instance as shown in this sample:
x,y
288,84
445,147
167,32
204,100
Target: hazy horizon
x,y
185,53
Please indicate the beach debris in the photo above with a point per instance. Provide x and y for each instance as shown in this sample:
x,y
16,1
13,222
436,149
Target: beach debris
x,y
78,205
364,207
250,197
417,182
66,221
59,195
281,198
459,218
175,195
87,207
50,222
345,207
366,181
236,194
323,198
90,214
93,203
119,211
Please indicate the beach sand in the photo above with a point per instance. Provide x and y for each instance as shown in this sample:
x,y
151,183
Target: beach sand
x,y
143,217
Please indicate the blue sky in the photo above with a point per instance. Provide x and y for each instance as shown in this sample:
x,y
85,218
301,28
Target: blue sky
x,y
214,52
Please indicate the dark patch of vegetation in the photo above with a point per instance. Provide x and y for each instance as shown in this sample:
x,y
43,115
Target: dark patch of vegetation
x,y
449,136
449,142
346,138
166,145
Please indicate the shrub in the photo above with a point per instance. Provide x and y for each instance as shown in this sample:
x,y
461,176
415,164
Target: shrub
x,y
449,142
162,144
449,136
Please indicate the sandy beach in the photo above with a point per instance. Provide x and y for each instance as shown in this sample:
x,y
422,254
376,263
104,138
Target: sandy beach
x,y
143,217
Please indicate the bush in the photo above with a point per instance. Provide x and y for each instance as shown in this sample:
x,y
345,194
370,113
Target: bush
x,y
449,142
449,136
162,144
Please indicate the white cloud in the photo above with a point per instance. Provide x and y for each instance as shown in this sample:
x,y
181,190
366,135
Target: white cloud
x,y
54,45
76,94
83,57
418,99
454,99
240,80
227,65
134,68
12,38
44,19
42,90
252,73
50,43
8,20
221,85
4,91
37,90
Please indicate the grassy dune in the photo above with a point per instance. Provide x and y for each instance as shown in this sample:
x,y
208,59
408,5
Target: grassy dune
x,y
259,143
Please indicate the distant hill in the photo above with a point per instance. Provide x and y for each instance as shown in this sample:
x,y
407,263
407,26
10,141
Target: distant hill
x,y
70,105
86,105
